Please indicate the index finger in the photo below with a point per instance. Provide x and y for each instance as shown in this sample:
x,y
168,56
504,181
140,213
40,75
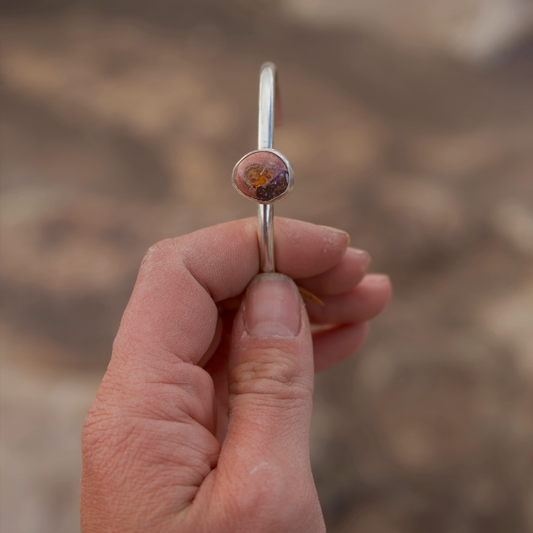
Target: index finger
x,y
173,305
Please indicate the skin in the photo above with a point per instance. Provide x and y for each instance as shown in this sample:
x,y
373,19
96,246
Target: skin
x,y
199,426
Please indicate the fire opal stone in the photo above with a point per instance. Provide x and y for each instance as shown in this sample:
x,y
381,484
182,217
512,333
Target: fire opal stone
x,y
262,176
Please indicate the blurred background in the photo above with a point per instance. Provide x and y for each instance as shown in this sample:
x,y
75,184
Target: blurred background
x,y
409,124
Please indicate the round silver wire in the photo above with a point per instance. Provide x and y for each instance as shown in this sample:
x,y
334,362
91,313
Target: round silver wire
x,y
268,103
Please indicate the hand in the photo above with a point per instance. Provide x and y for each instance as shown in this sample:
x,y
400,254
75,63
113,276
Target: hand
x,y
201,423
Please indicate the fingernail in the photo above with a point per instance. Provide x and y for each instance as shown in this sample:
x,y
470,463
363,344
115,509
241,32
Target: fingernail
x,y
272,307
378,278
359,253
337,231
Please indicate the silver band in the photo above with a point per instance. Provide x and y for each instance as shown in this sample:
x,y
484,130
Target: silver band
x,y
269,102
265,236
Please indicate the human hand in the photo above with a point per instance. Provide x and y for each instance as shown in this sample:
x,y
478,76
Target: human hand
x,y
201,423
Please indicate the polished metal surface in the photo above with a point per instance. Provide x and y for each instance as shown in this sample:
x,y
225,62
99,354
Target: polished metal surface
x,y
265,236
265,139
269,106
269,117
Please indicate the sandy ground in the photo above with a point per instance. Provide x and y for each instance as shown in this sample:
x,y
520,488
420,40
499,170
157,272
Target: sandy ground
x,y
121,127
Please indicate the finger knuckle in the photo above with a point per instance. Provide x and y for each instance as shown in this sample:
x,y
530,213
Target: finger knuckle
x,y
276,495
158,254
275,374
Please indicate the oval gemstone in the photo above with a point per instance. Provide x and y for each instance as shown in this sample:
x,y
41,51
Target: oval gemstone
x,y
262,176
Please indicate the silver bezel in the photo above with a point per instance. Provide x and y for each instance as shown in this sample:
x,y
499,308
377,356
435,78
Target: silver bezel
x,y
290,180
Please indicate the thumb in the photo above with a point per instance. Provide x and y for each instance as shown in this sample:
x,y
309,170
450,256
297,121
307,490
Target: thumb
x,y
271,367
270,378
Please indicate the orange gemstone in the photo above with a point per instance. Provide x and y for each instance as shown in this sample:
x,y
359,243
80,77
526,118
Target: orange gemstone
x,y
262,176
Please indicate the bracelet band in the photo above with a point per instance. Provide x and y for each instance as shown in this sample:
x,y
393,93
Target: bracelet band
x,y
265,175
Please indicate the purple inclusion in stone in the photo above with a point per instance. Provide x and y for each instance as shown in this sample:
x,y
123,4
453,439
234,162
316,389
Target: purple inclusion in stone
x,y
262,176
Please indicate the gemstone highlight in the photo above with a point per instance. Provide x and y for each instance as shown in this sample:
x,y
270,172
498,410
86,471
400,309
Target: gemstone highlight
x,y
262,176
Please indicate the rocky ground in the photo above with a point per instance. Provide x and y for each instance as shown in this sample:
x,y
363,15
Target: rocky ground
x,y
120,127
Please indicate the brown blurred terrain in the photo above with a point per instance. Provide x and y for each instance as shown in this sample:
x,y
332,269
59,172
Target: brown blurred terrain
x,y
121,123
